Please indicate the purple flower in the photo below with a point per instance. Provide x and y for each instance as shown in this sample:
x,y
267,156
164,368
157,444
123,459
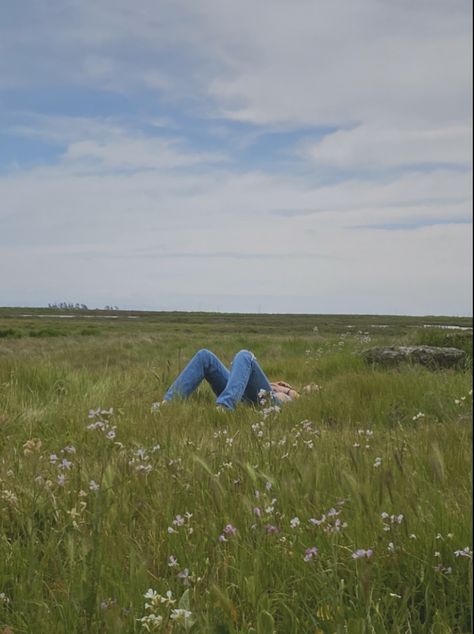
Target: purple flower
x,y
309,553
465,552
257,511
178,520
230,530
361,553
185,577
271,529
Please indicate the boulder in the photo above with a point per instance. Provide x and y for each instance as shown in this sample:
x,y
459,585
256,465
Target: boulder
x,y
432,357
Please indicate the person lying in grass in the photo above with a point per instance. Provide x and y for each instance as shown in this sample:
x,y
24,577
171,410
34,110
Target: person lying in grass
x,y
245,381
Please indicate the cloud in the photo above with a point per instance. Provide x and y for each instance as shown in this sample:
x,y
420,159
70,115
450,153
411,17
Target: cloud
x,y
371,145
113,237
173,187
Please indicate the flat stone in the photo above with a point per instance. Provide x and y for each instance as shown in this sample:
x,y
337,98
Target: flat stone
x,y
432,357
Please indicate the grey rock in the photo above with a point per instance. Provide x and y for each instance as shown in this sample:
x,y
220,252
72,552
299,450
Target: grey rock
x,y
432,357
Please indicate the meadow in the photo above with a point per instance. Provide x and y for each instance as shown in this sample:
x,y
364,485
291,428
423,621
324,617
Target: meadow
x,y
347,511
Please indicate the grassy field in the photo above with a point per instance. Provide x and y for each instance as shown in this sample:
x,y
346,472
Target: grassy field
x,y
348,511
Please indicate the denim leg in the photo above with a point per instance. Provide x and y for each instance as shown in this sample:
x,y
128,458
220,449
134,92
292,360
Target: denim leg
x,y
204,365
245,381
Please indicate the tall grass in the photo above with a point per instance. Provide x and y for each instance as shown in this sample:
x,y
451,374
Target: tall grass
x,y
267,521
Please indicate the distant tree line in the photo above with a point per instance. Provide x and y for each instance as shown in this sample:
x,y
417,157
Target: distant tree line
x,y
76,306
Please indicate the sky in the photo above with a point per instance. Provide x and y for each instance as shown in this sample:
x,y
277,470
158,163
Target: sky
x,y
296,156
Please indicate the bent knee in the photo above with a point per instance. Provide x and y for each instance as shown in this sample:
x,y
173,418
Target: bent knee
x,y
245,354
204,354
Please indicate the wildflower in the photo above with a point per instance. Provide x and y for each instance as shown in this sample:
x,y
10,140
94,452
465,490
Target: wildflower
x,y
181,616
172,561
465,552
65,464
257,511
61,479
336,527
271,529
437,554
391,547
378,462
393,594
418,416
107,603
151,594
151,622
4,599
316,522
310,553
178,520
361,553
143,468
268,486
53,458
155,406
185,577
295,522
69,449
110,434
93,486
222,538
230,530
168,599
391,519
412,536
93,413
97,425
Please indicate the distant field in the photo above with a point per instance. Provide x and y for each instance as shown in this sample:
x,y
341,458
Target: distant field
x,y
348,511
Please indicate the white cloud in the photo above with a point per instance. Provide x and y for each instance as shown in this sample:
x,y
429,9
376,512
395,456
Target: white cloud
x,y
374,145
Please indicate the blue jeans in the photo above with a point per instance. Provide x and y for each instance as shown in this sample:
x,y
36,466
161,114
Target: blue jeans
x,y
242,383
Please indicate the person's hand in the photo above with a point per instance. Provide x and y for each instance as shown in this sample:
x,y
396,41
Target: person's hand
x,y
281,387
